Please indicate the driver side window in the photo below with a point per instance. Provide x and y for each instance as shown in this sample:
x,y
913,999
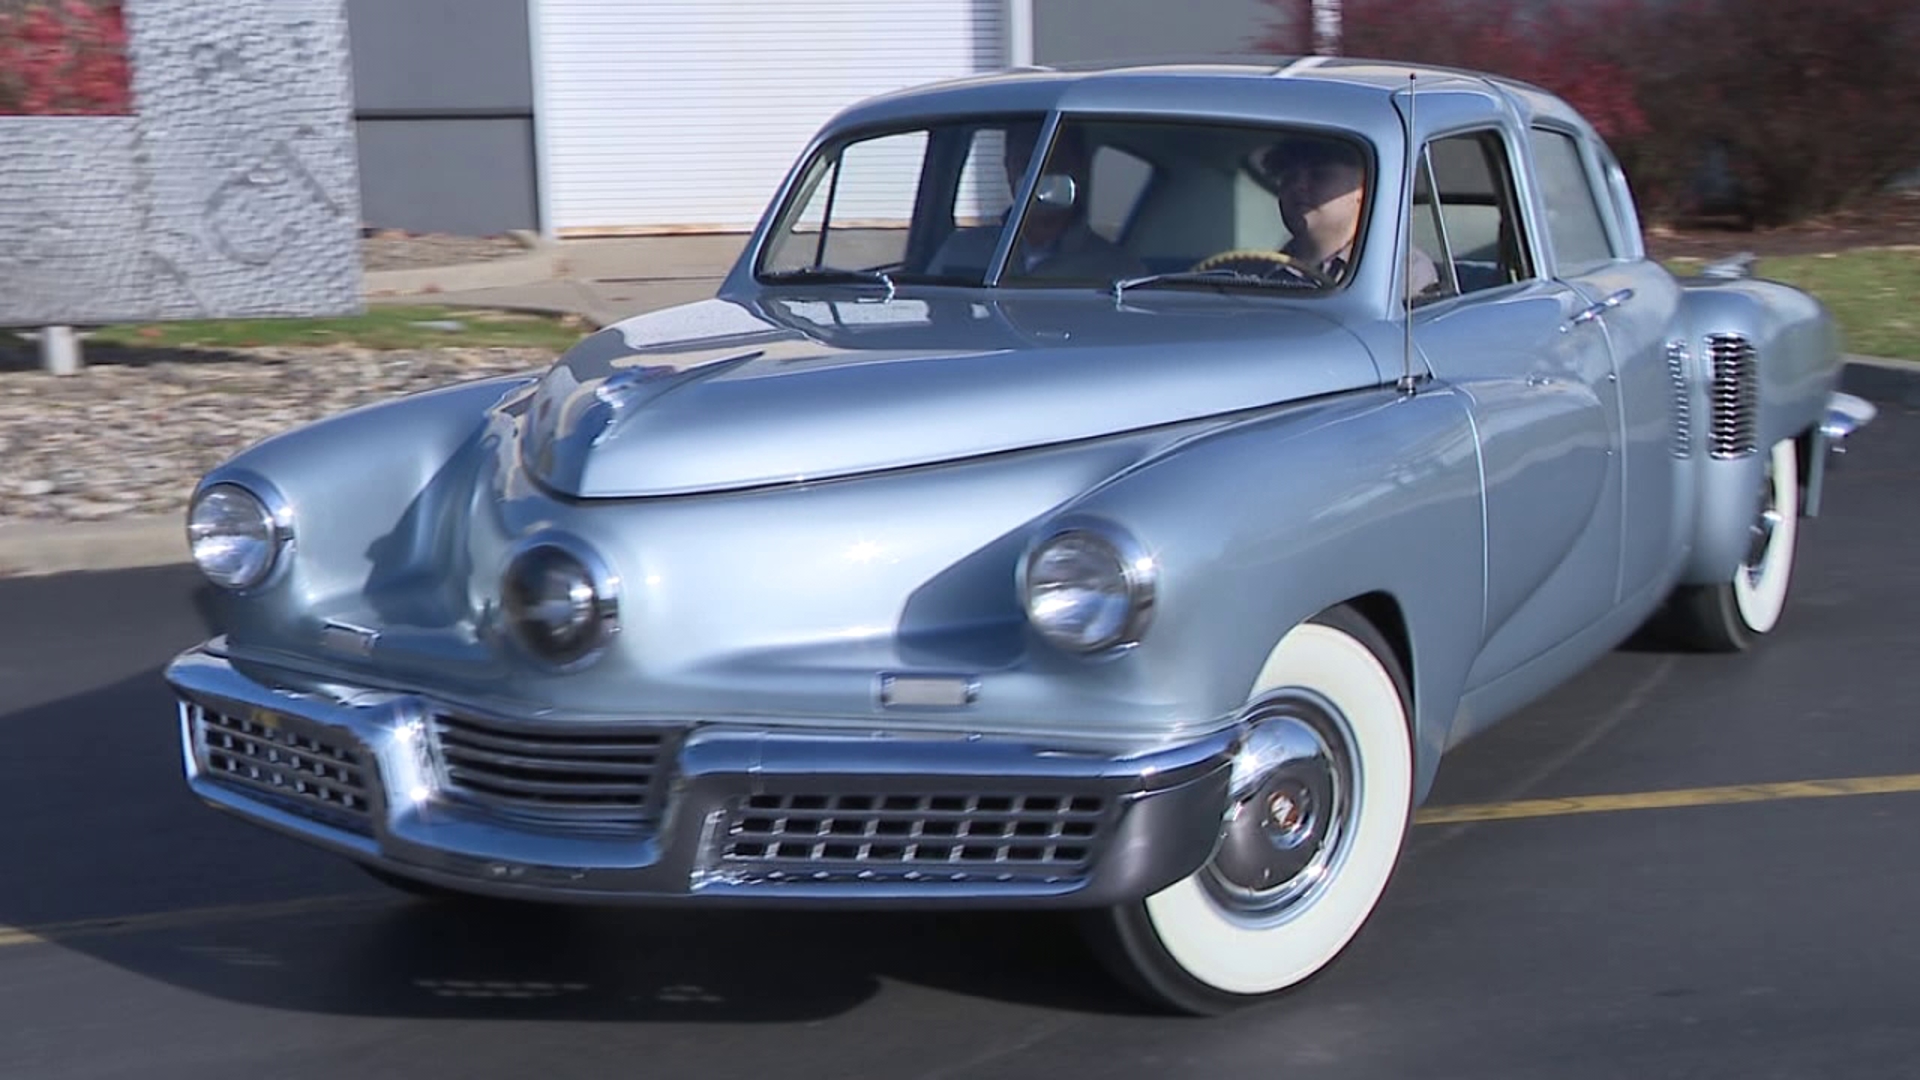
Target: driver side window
x,y
1465,216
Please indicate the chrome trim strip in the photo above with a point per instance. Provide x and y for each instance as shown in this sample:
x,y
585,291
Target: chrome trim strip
x,y
1679,364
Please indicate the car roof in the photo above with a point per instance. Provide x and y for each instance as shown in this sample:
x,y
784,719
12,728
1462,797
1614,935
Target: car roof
x,y
1338,91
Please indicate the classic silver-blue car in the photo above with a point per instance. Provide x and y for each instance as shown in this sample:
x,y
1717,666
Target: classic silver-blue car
x,y
1110,490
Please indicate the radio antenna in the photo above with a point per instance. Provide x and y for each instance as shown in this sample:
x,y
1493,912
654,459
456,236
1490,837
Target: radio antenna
x,y
1406,384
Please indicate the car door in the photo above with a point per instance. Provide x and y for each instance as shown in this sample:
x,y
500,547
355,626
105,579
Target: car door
x,y
1543,396
1635,304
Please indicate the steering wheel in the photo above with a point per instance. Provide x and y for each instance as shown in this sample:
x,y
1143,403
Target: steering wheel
x,y
1263,262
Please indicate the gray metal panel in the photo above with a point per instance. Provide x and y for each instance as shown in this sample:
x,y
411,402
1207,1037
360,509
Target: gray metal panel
x,y
469,177
1075,31
427,55
231,191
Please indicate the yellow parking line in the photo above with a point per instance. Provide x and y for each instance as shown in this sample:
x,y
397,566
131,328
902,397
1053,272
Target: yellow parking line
x,y
1656,800
191,917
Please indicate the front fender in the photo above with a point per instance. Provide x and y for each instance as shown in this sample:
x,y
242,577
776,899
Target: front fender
x,y
375,494
1258,526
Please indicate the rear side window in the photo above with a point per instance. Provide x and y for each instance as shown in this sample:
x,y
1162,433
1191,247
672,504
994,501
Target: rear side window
x,y
1465,218
1573,213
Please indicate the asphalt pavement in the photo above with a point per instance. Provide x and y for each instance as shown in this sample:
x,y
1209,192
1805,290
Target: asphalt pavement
x,y
1764,934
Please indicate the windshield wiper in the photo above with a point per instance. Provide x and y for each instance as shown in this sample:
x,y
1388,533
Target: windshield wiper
x,y
1216,278
829,273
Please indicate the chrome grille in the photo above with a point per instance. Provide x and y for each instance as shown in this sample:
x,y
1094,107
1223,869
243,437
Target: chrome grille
x,y
943,837
1682,399
576,775
313,771
1736,396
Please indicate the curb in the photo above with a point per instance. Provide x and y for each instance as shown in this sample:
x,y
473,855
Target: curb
x,y
1892,382
34,549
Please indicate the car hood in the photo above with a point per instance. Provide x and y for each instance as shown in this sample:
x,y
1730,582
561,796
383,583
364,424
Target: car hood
x,y
722,395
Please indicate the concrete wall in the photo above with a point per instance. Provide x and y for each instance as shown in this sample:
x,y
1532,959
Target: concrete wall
x,y
1077,31
230,191
443,102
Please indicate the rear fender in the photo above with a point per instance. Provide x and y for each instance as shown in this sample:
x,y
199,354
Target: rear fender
x,y
1762,361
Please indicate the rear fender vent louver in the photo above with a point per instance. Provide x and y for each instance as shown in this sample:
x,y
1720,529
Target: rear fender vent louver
x,y
1735,395
1677,364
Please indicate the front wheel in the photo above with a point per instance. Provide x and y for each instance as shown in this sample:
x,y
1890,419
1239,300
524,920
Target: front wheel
x,y
1321,799
1731,615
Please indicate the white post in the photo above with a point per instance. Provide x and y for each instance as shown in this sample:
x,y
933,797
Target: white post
x,y
1326,27
1019,33
543,199
59,350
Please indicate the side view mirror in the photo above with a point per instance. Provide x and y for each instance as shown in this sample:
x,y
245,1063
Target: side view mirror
x,y
1056,190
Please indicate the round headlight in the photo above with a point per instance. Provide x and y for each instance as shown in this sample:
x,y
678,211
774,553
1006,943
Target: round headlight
x,y
1087,592
234,536
559,602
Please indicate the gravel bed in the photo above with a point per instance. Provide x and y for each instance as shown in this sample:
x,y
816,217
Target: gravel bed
x,y
132,434
413,251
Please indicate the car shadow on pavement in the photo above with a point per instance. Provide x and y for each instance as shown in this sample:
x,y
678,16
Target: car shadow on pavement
x,y
132,871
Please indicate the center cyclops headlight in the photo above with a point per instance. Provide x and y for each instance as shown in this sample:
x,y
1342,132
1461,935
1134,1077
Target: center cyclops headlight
x,y
1088,589
560,601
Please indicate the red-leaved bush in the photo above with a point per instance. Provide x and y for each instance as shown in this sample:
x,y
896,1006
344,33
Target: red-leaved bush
x,y
1770,110
64,59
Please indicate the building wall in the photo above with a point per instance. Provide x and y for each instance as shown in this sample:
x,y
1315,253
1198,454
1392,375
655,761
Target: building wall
x,y
443,105
1078,31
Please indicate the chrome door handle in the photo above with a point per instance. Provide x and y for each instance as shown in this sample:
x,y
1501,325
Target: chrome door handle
x,y
1594,311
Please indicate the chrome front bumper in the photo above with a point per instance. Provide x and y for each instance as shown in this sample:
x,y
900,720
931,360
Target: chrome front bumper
x,y
607,813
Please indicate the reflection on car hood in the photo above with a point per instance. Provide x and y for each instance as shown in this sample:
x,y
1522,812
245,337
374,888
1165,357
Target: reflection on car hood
x,y
719,395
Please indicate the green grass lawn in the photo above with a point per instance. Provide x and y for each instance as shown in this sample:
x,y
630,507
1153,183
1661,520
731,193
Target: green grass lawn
x,y
1874,293
380,328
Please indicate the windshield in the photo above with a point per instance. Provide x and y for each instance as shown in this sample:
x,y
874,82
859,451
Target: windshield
x,y
1113,201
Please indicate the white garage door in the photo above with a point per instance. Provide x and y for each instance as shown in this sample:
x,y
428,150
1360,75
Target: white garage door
x,y
684,115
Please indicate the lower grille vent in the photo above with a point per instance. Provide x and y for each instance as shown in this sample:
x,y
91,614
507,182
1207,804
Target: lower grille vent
x,y
314,773
914,837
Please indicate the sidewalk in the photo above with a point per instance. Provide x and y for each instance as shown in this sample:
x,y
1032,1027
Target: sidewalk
x,y
602,281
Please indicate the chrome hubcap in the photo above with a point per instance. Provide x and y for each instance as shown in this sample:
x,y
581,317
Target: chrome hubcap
x,y
1289,819
1760,532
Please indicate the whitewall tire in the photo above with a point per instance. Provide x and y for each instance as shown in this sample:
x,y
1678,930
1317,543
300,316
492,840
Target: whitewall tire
x,y
1731,616
1322,801
1760,585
